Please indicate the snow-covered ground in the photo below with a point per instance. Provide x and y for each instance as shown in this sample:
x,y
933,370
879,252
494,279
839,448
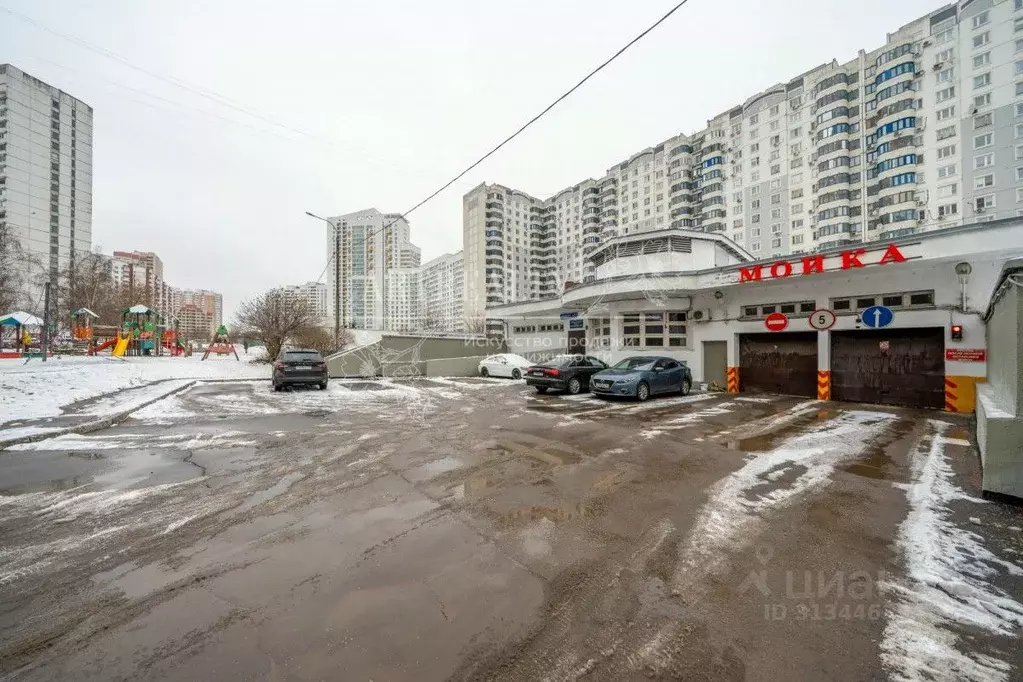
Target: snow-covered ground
x,y
36,389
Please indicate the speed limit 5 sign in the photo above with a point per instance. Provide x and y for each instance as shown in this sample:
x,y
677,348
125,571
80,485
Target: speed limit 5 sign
x,y
822,319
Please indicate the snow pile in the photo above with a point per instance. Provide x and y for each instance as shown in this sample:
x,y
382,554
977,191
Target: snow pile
x,y
948,582
37,389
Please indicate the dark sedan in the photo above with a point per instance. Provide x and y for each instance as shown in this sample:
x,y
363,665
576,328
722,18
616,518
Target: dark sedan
x,y
564,373
643,376
299,367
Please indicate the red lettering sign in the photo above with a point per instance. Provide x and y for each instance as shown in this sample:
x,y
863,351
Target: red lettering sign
x,y
814,264
892,255
966,355
750,274
851,259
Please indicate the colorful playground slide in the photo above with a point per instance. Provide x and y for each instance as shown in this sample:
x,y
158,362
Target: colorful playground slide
x,y
122,345
103,346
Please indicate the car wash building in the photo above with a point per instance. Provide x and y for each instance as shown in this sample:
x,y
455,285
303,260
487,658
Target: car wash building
x,y
896,322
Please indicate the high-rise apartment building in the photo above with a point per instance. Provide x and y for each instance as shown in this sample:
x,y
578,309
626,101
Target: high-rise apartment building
x,y
441,290
142,270
922,133
370,244
45,170
403,307
313,295
208,304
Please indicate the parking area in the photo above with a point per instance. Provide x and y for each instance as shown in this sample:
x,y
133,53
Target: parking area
x,y
471,529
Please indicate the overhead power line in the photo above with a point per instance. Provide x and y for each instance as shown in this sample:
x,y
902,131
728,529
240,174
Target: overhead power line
x,y
536,118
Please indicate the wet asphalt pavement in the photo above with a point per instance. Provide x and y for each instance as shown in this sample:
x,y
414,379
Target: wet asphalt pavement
x,y
471,530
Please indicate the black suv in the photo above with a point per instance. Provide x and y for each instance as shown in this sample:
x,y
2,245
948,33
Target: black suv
x,y
564,373
300,366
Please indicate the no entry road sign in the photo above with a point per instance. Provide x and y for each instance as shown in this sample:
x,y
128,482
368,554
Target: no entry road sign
x,y
776,322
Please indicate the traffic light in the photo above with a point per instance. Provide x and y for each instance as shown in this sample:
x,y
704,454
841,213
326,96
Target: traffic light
x,y
957,332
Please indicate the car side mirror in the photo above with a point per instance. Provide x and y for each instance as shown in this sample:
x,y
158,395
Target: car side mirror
x,y
658,369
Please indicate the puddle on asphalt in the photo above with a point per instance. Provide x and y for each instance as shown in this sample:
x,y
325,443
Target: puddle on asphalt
x,y
471,487
270,493
56,485
365,386
876,463
767,441
443,465
579,511
782,476
86,454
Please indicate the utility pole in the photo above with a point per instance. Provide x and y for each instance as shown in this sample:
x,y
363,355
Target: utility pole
x,y
46,320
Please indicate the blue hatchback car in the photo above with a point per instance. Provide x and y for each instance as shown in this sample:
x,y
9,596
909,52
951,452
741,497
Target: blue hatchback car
x,y
643,376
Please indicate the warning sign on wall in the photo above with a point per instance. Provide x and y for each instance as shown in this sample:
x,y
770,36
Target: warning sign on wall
x,y
966,355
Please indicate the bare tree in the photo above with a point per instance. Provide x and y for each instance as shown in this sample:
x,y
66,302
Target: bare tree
x,y
15,263
475,324
322,339
273,318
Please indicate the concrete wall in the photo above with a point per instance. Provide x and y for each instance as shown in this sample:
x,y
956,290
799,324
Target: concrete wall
x,y
999,421
398,355
453,367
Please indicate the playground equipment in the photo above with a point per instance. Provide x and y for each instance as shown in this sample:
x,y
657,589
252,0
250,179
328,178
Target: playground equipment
x,y
169,340
19,321
82,335
221,344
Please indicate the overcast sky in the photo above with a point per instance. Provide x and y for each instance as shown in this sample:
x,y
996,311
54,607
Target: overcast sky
x,y
381,102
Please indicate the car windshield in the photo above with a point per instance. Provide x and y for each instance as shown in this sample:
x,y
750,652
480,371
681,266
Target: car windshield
x,y
635,363
302,356
561,360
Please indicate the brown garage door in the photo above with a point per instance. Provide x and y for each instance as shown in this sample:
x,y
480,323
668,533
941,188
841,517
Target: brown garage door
x,y
889,366
779,363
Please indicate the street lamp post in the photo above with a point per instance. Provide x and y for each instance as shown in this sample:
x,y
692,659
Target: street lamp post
x,y
337,275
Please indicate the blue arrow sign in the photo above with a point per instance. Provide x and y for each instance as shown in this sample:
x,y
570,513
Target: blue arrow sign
x,y
877,316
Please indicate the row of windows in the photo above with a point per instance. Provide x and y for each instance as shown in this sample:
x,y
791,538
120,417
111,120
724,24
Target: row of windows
x,y
905,300
527,329
900,124
894,53
893,90
896,180
800,308
654,329
837,129
889,146
905,67
895,163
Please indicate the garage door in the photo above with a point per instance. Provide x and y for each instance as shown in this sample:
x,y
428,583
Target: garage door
x,y
889,367
779,363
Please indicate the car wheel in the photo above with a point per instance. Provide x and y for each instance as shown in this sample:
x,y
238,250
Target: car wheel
x,y
541,389
686,386
484,372
642,391
516,374
323,386
277,388
574,385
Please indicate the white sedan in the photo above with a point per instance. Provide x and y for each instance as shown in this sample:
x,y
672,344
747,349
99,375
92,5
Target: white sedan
x,y
504,365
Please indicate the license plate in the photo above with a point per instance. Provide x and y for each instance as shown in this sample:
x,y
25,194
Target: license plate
x,y
537,372
601,384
